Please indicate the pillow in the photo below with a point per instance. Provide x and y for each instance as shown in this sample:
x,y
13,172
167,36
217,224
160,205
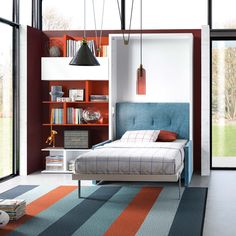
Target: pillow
x,y
166,136
140,136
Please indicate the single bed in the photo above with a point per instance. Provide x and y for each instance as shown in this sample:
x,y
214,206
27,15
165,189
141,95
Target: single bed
x,y
155,161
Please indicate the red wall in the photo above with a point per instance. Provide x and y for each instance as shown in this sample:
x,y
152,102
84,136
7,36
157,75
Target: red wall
x,y
36,42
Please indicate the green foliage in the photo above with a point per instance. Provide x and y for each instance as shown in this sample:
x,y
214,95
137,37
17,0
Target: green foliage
x,y
224,140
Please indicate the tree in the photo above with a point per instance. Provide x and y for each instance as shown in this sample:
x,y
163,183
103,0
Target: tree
x,y
229,82
53,21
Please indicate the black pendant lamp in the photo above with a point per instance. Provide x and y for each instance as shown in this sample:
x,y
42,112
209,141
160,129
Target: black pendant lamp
x,y
84,56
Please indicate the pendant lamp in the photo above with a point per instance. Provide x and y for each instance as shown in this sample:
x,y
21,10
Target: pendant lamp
x,y
141,72
84,56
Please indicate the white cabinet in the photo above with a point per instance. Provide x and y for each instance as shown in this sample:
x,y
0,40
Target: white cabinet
x,y
58,68
66,155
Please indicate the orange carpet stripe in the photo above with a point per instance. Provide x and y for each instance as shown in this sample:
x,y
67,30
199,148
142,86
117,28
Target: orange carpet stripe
x,y
130,220
39,205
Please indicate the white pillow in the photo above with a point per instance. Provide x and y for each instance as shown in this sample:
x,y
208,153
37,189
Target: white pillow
x,y
140,136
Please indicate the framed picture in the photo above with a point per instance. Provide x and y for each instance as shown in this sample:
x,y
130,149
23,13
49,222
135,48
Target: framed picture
x,y
76,95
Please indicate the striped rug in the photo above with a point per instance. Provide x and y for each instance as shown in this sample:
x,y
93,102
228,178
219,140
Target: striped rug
x,y
108,210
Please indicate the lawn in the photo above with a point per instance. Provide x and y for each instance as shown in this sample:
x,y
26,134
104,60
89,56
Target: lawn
x,y
224,140
5,146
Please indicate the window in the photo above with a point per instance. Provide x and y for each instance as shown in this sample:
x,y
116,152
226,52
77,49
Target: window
x,y
223,103
69,15
8,87
223,14
6,7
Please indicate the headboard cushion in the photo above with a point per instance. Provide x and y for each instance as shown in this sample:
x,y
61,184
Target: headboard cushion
x,y
149,116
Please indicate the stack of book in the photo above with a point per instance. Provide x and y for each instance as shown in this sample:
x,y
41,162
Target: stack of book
x,y
15,208
99,98
74,115
54,162
72,46
57,116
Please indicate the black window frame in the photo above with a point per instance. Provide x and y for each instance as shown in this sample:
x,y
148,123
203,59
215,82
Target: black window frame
x,y
216,35
14,23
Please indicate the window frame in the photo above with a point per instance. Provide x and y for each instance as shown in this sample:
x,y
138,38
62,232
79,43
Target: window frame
x,y
15,85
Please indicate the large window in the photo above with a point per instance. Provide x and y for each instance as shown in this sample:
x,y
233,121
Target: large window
x,y
157,14
8,87
223,14
223,103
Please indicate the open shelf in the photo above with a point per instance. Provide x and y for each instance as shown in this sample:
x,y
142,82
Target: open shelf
x,y
82,125
90,102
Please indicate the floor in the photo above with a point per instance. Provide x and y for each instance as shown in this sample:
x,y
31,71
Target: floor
x,y
221,203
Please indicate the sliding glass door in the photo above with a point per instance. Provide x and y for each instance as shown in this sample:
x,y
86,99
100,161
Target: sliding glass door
x,y
223,104
6,101
9,31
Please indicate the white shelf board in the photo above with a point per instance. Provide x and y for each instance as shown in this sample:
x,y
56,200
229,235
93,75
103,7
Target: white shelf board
x,y
60,149
56,172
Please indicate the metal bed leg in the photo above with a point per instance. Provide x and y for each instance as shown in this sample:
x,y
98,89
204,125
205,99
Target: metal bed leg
x,y
179,186
79,189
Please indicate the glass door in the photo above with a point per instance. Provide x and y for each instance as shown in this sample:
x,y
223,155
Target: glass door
x,y
223,104
6,101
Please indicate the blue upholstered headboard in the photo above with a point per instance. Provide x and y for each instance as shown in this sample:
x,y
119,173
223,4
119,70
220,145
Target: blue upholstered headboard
x,y
150,116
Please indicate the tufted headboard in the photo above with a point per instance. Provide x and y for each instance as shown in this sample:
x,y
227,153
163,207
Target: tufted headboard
x,y
141,116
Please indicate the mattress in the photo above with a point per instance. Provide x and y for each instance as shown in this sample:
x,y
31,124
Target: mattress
x,y
154,158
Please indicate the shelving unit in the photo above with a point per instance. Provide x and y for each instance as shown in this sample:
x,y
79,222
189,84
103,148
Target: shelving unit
x,y
56,71
67,155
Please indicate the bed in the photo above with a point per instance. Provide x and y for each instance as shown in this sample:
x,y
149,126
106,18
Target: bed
x,y
118,161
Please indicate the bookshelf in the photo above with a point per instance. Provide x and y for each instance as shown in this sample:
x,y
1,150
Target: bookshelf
x,y
56,71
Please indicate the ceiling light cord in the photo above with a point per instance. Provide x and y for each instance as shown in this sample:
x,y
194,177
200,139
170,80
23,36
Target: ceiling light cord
x,y
99,42
141,32
84,19
126,41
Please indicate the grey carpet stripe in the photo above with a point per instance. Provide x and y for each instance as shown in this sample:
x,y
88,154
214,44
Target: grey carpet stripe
x,y
190,215
76,217
17,191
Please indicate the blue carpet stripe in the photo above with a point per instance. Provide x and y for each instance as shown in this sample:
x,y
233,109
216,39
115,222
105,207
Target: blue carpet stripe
x,y
76,217
98,223
16,191
189,217
161,215
46,218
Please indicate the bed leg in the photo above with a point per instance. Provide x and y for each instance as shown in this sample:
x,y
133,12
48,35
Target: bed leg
x,y
179,186
79,189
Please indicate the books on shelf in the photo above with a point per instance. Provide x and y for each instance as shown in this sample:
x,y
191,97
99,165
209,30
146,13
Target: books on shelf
x,y
72,46
15,208
99,98
57,115
74,115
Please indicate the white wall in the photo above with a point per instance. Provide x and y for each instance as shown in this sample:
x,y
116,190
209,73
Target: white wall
x,y
168,63
168,60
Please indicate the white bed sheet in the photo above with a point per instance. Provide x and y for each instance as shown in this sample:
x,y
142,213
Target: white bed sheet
x,y
154,158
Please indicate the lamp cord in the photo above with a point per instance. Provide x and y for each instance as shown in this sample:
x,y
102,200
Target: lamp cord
x,y
141,33
126,41
99,42
84,19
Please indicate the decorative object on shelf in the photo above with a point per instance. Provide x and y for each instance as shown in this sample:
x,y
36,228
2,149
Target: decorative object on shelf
x,y
51,140
76,139
56,91
98,42
91,115
141,72
76,95
99,98
4,218
71,165
64,99
126,41
54,51
84,56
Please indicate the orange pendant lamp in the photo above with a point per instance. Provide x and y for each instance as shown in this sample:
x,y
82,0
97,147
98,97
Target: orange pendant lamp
x,y
141,72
